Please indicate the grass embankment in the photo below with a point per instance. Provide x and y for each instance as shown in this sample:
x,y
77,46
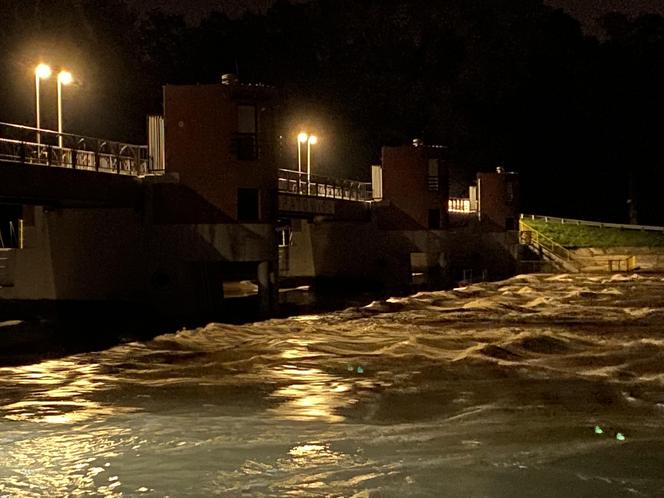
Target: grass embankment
x,y
569,235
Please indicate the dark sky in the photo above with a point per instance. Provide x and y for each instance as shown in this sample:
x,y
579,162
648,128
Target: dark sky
x,y
585,10
194,9
588,10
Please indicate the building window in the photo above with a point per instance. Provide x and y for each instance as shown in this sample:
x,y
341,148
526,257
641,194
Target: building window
x,y
284,236
246,119
245,141
248,207
509,192
433,177
434,219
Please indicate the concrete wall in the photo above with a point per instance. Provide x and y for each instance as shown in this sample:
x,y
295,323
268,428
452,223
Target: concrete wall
x,y
498,200
406,182
87,254
25,183
33,276
119,255
596,258
201,126
297,259
387,258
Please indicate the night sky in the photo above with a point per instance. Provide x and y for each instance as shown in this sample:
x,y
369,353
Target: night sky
x,y
584,10
521,87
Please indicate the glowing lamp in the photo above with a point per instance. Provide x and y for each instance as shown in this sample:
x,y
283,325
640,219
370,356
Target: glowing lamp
x,y
43,71
65,77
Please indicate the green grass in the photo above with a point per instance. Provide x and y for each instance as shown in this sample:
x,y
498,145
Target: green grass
x,y
569,235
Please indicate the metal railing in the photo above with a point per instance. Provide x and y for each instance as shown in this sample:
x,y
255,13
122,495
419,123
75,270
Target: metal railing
x,y
294,182
626,264
459,205
27,145
599,224
531,237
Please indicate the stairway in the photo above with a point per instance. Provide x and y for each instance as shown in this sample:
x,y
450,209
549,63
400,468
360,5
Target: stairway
x,y
7,267
548,249
581,260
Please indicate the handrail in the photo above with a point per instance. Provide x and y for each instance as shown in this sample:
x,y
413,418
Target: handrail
x,y
28,145
629,264
460,205
301,183
529,236
600,224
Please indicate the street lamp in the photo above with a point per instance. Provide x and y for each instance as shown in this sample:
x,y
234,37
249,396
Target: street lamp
x,y
42,72
64,78
301,138
313,140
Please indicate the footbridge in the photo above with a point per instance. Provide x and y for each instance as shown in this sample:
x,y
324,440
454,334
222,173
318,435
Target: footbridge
x,y
304,195
46,167
40,166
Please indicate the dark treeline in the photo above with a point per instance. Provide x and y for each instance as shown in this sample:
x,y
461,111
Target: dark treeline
x,y
501,82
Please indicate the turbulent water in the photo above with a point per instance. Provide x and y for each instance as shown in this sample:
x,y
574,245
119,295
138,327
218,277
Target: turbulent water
x,y
541,385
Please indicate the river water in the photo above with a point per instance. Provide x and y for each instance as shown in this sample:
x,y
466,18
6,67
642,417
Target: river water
x,y
541,385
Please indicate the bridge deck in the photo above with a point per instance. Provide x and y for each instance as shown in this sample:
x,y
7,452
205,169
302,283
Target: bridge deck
x,y
298,183
24,145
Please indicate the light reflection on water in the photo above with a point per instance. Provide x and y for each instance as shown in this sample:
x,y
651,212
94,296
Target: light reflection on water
x,y
310,394
314,395
57,392
53,462
57,464
496,385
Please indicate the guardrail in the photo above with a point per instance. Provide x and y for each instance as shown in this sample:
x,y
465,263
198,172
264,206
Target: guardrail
x,y
459,205
28,145
571,221
627,264
295,182
529,236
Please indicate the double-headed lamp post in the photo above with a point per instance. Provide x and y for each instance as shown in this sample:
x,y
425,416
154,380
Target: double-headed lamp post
x,y
42,72
64,78
310,140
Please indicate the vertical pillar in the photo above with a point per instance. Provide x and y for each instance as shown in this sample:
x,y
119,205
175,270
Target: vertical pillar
x,y
267,288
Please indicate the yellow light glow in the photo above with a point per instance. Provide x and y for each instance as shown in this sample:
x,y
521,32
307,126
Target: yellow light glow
x,y
303,137
313,139
312,394
65,77
43,71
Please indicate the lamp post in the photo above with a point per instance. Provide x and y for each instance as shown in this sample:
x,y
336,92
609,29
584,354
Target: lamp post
x,y
301,138
64,78
313,140
42,72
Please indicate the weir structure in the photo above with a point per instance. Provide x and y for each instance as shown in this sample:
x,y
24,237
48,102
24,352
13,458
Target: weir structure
x,y
171,227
